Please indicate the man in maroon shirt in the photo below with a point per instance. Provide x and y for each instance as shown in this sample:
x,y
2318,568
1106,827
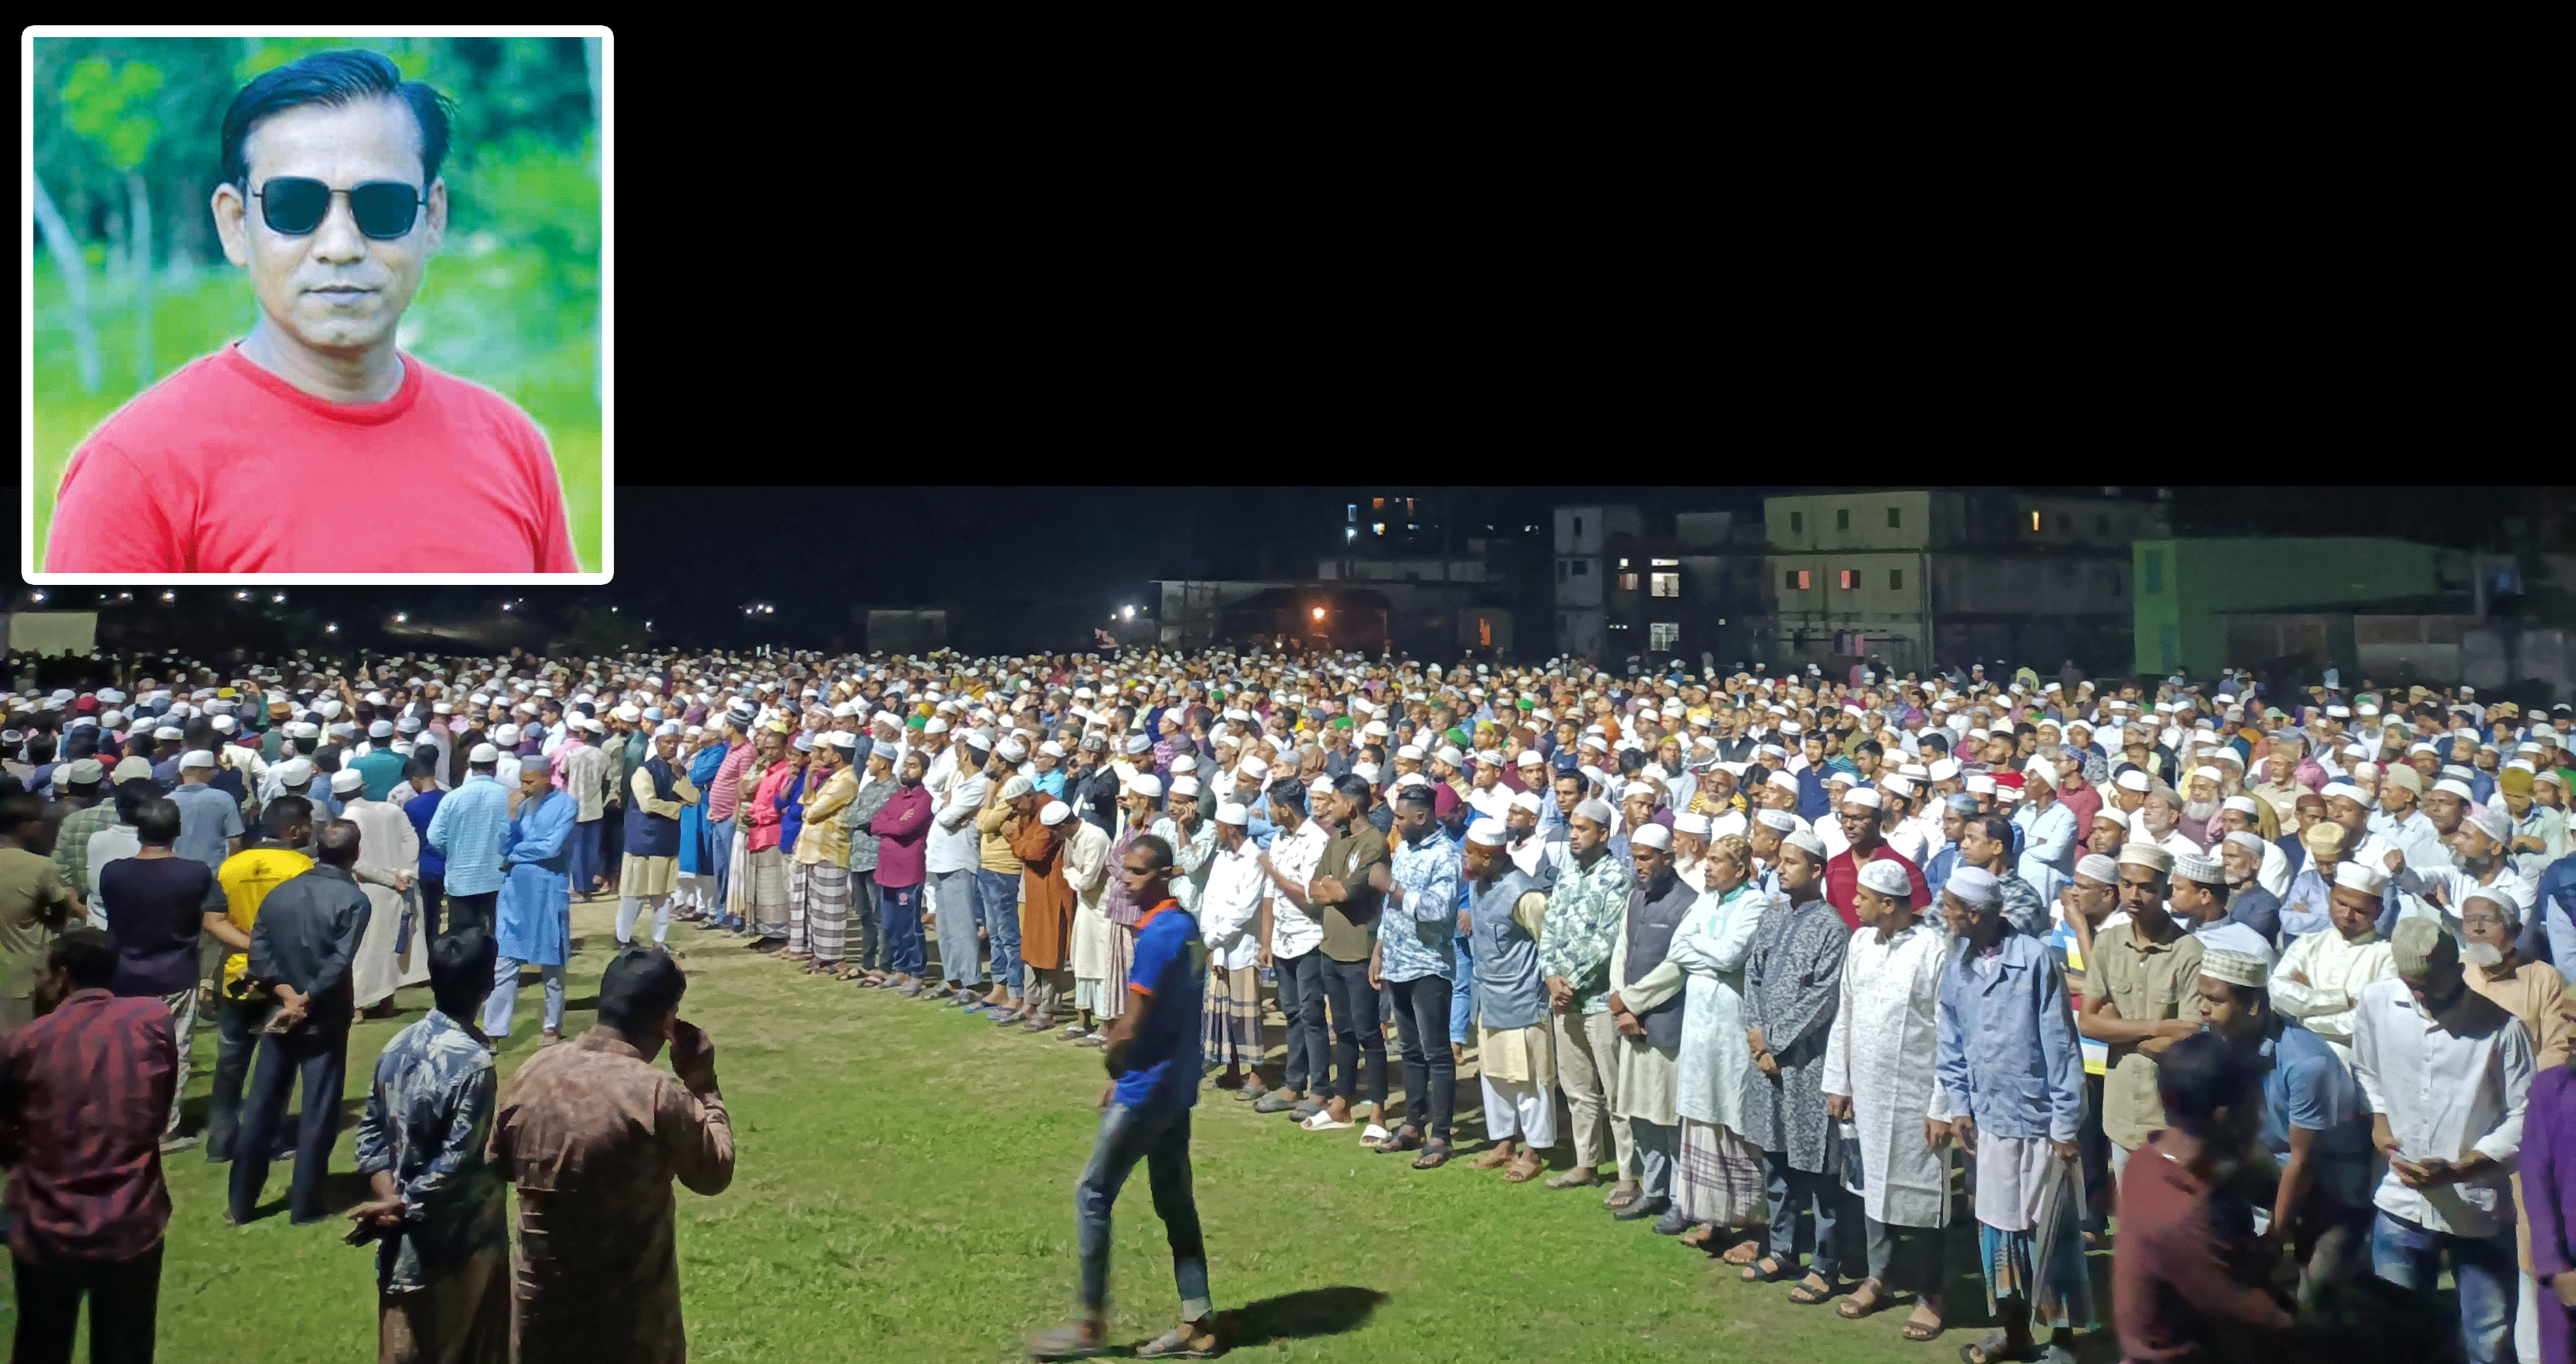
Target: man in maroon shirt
x,y
84,1091
1859,813
2187,1279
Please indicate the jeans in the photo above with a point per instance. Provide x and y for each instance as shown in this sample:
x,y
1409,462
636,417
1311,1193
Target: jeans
x,y
1356,1032
124,1303
903,946
237,1027
1159,1135
2485,1269
997,894
318,1057
953,901
505,997
433,893
183,1022
472,911
585,855
720,847
1430,1070
1301,1002
867,922
1657,1147
1838,1215
1462,998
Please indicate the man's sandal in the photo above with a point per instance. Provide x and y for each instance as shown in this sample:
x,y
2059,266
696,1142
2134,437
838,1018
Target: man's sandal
x,y
1921,1331
1806,1295
1523,1171
1743,1252
1769,1269
1854,1308
1994,1349
1180,1343
1576,1178
1434,1155
1066,1342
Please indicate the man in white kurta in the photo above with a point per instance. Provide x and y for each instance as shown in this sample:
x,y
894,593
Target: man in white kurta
x,y
388,862
1086,869
1720,1183
1880,1079
2320,978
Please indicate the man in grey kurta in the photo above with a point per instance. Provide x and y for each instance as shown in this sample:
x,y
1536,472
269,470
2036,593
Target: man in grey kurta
x,y
1793,983
1649,1018
1516,1048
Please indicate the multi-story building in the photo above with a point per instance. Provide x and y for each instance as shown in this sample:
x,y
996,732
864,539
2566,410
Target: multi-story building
x,y
1582,536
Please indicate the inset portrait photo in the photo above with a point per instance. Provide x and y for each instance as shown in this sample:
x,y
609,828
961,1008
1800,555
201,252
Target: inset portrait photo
x,y
317,308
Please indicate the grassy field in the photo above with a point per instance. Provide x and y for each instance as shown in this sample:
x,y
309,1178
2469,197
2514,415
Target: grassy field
x,y
550,377
904,1192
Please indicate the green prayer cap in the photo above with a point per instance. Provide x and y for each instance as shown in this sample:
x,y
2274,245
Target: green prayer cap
x,y
916,722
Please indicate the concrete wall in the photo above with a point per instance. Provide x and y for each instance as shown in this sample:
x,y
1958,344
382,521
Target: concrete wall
x,y
2185,586
1852,521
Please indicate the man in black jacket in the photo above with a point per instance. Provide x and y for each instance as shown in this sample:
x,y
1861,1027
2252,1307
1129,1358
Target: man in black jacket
x,y
301,946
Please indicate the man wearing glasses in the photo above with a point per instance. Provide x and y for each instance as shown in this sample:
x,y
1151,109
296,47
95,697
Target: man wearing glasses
x,y
333,204
1154,1065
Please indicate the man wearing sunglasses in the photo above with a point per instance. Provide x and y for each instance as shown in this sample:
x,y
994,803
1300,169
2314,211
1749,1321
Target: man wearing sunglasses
x,y
1153,1054
333,204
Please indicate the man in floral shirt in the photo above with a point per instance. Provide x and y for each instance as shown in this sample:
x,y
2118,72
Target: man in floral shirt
x,y
1584,915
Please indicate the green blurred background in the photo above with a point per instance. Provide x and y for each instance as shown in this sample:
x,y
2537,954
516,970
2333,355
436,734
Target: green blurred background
x,y
128,145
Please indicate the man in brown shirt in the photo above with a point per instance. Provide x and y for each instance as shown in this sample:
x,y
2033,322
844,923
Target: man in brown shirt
x,y
1350,885
593,1135
2138,979
35,904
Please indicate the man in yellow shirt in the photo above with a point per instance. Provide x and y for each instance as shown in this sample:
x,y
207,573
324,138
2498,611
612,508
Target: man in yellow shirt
x,y
246,878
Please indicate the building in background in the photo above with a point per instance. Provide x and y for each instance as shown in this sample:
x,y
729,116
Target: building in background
x,y
2188,589
1583,535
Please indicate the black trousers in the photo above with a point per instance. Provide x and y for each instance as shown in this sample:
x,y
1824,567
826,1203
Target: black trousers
x,y
124,1303
318,1058
2095,1148
1430,1070
433,893
1356,1032
236,1041
1301,1002
465,911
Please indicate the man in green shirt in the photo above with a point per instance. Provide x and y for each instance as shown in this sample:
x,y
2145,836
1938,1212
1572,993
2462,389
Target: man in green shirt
x,y
1350,885
36,903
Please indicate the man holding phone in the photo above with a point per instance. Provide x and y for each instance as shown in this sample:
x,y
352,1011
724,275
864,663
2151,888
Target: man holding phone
x,y
593,1134
1153,1055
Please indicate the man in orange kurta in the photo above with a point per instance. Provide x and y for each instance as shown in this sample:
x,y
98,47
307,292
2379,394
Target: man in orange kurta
x,y
1046,918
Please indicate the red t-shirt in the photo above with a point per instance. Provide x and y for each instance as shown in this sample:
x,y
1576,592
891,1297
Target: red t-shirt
x,y
1842,884
226,468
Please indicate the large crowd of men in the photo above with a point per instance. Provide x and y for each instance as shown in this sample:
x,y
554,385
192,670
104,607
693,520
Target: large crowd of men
x,y
2258,991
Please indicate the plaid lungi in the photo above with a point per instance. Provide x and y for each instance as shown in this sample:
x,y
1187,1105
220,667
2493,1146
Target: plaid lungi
x,y
1721,1176
767,872
1113,987
2044,1265
1230,1025
822,900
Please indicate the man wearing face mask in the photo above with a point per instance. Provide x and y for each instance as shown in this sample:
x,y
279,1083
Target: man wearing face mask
x,y
332,201
2446,1071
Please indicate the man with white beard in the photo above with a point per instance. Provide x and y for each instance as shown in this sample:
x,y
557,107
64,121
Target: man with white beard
x,y
2200,808
2159,821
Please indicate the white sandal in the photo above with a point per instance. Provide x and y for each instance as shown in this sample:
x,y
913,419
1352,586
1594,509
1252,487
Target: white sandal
x,y
1322,1120
1373,1135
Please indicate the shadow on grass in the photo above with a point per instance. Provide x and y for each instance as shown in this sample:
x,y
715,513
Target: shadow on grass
x,y
341,1191
1305,1313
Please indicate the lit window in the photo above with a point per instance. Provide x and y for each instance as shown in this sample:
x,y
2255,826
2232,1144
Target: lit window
x,y
1484,633
1663,634
1800,580
1667,563
1351,512
1896,579
1892,519
1623,563
1851,579
1627,581
1378,527
1408,506
1377,504
2034,520
1667,585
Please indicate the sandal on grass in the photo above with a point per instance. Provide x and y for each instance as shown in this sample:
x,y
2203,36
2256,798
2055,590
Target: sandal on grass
x,y
1769,1269
1858,1306
1622,1199
1996,1349
1180,1342
1808,1295
1919,1331
1066,1342
1523,1171
1433,1156
1742,1252
1575,1178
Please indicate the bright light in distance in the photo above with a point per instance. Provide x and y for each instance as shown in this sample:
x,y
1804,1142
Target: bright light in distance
x,y
1131,613
169,596
36,596
505,606
402,618
241,596
330,629
279,598
1319,613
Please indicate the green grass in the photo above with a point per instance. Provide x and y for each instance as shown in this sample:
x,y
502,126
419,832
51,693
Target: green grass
x,y
547,375
904,1188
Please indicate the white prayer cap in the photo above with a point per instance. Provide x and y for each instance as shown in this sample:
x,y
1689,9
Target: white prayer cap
x,y
1486,833
224,724
1887,877
1652,836
2361,876
1896,786
1693,823
2097,867
1146,784
1526,800
936,725
506,734
1185,786
2134,780
196,757
2200,867
347,779
1375,729
1054,812
2243,805
1234,814
1595,810
1981,783
1449,754
1412,751
1861,795
169,732
2207,774
1366,772
1530,758
2247,839
1785,782
2041,770
483,753
1185,763
295,771
381,729
1781,820
1253,768
629,714
2504,895
1321,786
1012,750
2456,787
839,739
1945,769
2493,822
2346,790
1814,846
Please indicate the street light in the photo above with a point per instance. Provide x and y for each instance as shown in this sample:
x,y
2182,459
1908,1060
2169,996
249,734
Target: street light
x,y
279,599
169,596
330,629
36,596
241,596
1319,613
402,618
1131,613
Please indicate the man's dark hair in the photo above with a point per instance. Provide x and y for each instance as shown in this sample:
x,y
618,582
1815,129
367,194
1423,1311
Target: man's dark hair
x,y
1353,786
326,760
1574,777
85,954
460,970
157,820
1631,762
334,80
1870,747
40,750
1414,796
418,768
1154,846
335,844
1996,827
285,813
131,796
640,985
1288,793
2199,1075
17,812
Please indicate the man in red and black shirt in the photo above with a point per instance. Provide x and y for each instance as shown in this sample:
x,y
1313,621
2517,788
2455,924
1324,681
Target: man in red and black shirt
x,y
1859,814
84,1092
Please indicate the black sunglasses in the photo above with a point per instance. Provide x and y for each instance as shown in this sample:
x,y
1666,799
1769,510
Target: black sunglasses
x,y
294,206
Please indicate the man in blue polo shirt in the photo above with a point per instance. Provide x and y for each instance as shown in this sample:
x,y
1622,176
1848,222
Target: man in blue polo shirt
x,y
1154,1065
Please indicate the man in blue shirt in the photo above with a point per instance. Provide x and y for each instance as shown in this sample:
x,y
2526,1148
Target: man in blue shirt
x,y
466,831
1154,1065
